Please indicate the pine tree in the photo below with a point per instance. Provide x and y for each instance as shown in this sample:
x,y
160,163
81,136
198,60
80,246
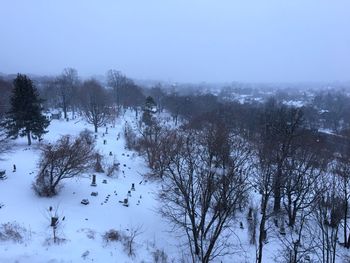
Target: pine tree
x,y
148,111
25,117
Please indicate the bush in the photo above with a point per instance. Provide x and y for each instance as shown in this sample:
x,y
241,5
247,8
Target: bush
x,y
130,138
67,158
113,169
159,256
90,234
128,240
12,232
98,166
111,235
42,187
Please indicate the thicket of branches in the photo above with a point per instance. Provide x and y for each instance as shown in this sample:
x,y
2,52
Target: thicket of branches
x,y
67,158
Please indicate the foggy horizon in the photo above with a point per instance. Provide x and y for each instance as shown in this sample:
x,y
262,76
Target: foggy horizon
x,y
185,42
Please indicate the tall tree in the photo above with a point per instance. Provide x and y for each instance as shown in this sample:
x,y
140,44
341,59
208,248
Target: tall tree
x,y
94,103
342,171
66,84
25,117
158,94
148,111
203,188
116,80
281,125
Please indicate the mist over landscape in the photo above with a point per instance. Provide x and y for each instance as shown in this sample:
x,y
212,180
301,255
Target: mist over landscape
x,y
182,41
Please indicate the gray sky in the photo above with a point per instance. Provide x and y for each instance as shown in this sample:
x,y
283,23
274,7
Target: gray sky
x,y
179,40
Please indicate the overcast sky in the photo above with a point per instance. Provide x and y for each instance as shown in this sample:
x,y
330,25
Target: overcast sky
x,y
179,40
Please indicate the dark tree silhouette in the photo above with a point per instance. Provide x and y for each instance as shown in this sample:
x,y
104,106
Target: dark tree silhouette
x,y
94,103
25,117
67,84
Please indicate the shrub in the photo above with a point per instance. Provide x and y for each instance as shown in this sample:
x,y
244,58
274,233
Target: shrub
x,y
111,235
12,231
113,169
67,158
159,256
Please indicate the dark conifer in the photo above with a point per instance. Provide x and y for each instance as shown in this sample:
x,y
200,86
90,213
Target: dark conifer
x,y
25,117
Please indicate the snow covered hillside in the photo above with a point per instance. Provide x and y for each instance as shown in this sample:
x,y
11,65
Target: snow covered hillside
x,y
84,225
82,233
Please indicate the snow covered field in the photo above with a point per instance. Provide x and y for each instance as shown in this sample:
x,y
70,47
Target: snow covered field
x,y
84,225
30,211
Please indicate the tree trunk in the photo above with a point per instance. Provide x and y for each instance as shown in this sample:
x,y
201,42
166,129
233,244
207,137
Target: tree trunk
x,y
346,244
29,138
262,231
277,200
52,191
277,191
335,245
95,128
64,106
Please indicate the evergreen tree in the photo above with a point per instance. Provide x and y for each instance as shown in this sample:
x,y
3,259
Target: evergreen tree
x,y
148,111
25,117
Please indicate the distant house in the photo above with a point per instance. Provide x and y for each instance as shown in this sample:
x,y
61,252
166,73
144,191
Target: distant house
x,y
55,115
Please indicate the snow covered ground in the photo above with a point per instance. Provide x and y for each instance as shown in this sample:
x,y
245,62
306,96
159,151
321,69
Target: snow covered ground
x,y
84,225
23,206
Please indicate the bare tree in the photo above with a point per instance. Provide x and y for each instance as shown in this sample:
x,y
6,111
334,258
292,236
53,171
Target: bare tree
x,y
297,243
50,93
152,144
116,80
56,221
280,127
67,84
342,170
125,92
326,219
303,169
130,239
302,192
200,195
263,182
131,95
158,94
67,158
94,103
253,221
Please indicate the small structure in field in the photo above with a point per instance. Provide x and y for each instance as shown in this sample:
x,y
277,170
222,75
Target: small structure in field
x,y
93,183
126,202
3,174
55,115
85,202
